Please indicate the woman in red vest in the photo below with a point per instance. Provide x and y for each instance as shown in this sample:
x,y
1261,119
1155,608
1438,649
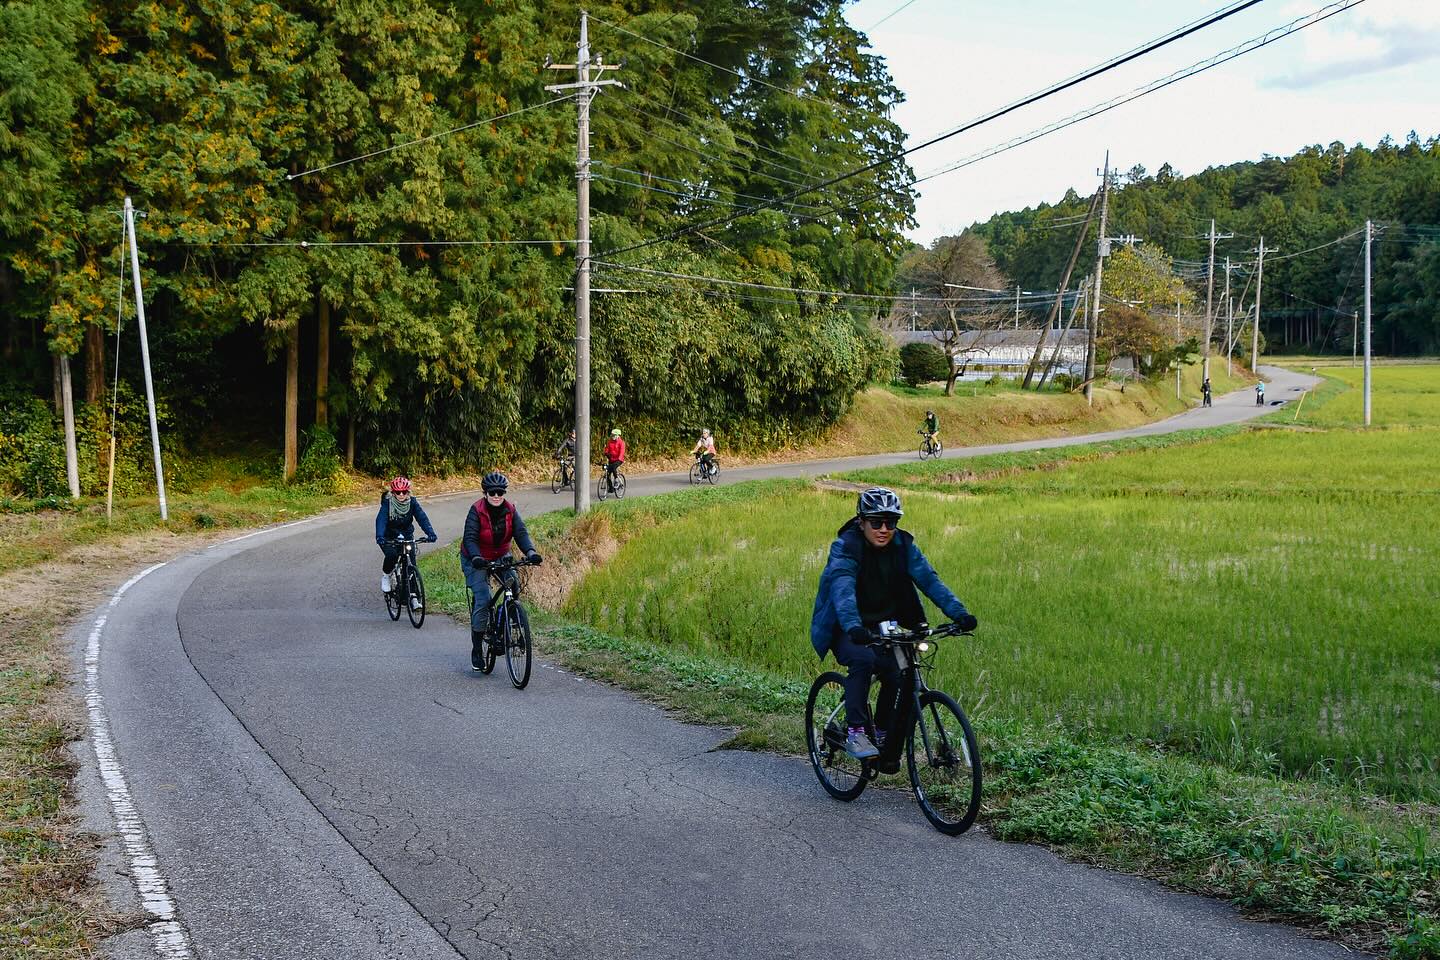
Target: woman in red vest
x,y
614,457
491,526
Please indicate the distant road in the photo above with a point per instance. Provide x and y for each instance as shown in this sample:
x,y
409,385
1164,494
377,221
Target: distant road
x,y
316,782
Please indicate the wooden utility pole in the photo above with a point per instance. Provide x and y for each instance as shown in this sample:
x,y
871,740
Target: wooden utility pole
x,y
292,399
1102,247
1053,320
322,365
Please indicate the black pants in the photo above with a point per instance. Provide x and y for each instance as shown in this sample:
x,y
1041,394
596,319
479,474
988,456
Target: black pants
x,y
392,555
610,468
864,663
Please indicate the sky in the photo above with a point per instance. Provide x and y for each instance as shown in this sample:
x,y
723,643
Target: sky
x,y
1364,73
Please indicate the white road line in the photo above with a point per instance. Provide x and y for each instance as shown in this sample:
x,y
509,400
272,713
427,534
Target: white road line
x,y
171,941
256,533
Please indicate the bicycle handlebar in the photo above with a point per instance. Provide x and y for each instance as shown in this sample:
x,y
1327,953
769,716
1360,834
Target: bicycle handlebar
x,y
401,541
501,565
924,633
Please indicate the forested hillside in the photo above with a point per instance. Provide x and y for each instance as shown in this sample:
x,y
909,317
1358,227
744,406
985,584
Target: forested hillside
x,y
1298,204
429,309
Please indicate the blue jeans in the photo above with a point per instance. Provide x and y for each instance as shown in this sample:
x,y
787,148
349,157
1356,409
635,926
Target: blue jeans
x,y
864,663
480,584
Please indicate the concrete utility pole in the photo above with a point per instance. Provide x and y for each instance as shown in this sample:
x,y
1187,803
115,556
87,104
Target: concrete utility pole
x,y
1229,319
1017,306
1368,234
72,462
1354,335
1210,300
1259,282
914,314
1102,247
586,89
145,357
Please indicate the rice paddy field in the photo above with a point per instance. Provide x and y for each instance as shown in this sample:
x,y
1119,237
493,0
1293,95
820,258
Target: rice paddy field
x,y
1267,599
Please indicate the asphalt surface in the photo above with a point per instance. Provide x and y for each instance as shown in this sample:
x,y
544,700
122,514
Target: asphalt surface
x,y
316,781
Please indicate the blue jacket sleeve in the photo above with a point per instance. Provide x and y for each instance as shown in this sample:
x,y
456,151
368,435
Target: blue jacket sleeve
x,y
522,536
423,520
842,568
924,576
380,519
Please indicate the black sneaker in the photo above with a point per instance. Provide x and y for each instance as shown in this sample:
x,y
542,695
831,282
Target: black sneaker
x,y
477,651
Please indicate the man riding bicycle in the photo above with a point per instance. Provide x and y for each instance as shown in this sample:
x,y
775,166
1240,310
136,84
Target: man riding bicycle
x,y
705,450
396,521
614,458
491,526
871,577
565,453
932,426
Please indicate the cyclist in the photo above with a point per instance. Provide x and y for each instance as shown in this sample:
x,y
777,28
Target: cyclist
x,y
396,520
872,576
491,526
932,427
1205,392
565,453
614,457
1260,394
705,450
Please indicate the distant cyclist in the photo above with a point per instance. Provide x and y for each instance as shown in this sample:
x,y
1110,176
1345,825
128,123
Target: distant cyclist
x,y
1260,394
705,450
872,576
491,526
932,426
1205,392
614,458
396,520
565,453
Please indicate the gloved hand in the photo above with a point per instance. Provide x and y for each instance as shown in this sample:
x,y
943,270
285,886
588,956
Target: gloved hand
x,y
859,636
479,563
536,559
431,539
967,622
379,541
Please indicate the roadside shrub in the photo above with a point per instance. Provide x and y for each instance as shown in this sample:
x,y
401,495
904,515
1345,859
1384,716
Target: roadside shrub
x,y
923,363
320,467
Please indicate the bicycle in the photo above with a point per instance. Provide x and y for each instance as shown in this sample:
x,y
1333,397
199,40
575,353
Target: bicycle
x,y
941,755
930,446
509,624
564,475
701,472
407,585
601,487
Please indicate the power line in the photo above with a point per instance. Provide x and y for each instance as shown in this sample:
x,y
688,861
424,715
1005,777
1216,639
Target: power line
x,y
685,183
385,243
433,136
889,15
1053,89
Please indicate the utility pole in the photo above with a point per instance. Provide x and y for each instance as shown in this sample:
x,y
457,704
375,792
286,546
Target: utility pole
x,y
1354,334
586,89
145,357
1102,247
913,312
1259,283
67,394
1017,306
1229,318
1177,344
1054,318
1209,300
1368,234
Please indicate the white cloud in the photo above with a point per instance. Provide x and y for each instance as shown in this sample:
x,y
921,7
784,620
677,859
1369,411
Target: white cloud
x,y
1378,36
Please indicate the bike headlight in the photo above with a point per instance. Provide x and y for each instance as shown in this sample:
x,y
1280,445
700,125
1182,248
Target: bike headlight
x,y
922,647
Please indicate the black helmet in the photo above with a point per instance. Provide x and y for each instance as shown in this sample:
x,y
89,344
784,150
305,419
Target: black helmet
x,y
494,481
878,500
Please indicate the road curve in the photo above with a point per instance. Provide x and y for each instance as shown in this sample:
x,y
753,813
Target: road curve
x,y
315,781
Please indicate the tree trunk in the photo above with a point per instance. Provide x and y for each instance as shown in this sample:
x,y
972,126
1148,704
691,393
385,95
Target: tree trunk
x,y
94,364
292,400
350,441
322,367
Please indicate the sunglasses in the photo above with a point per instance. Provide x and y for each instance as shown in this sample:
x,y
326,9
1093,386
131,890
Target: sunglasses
x,y
882,523
494,493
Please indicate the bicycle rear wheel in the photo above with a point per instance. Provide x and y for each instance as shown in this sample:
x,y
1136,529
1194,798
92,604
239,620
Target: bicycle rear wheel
x,y
937,448
417,592
713,472
944,764
619,485
518,646
393,600
842,776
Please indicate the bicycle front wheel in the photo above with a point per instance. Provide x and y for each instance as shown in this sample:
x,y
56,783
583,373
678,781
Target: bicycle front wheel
x,y
393,598
518,646
695,473
557,482
417,598
944,763
842,776
601,491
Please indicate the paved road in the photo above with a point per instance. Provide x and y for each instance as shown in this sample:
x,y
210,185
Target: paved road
x,y
318,782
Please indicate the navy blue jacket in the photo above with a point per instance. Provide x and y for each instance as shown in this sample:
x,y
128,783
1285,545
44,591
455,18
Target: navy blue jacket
x,y
836,612
384,528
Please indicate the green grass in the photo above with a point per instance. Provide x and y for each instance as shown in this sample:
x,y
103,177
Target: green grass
x,y
1401,395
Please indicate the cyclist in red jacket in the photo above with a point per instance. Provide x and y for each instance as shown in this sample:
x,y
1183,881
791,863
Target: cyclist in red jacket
x,y
614,457
491,526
